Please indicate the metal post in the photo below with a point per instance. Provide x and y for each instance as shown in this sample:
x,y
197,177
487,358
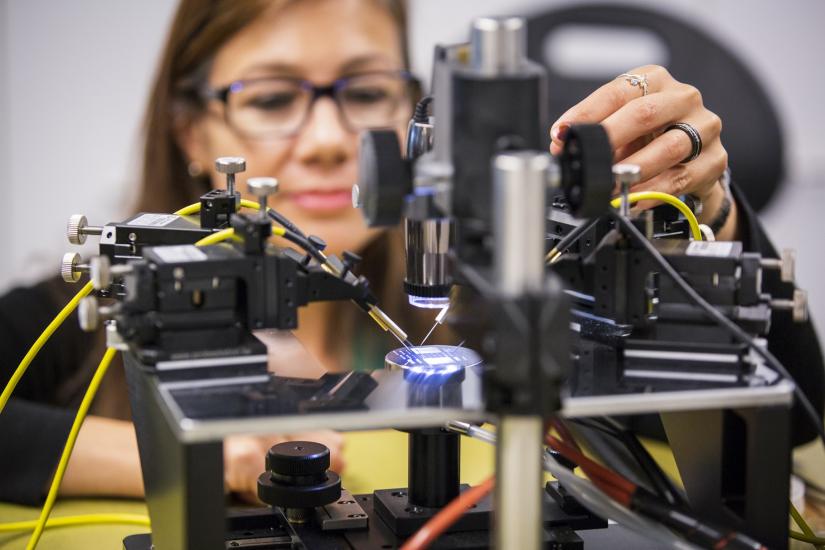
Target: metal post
x,y
519,187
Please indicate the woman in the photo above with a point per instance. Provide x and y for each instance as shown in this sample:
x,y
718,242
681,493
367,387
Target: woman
x,y
331,67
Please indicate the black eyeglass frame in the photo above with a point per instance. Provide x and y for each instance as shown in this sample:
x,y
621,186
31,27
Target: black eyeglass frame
x,y
330,90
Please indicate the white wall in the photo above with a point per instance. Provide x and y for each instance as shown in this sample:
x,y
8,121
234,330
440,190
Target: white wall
x,y
74,77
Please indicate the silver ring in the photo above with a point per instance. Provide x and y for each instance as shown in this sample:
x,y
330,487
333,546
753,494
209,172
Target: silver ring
x,y
695,139
639,80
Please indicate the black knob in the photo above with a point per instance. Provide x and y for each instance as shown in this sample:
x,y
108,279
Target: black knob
x,y
384,178
351,259
317,242
587,170
297,476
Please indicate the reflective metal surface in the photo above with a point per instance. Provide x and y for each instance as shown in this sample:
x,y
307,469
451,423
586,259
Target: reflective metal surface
x,y
408,399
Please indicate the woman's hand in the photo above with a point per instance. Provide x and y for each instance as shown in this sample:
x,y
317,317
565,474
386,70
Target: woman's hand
x,y
244,456
634,124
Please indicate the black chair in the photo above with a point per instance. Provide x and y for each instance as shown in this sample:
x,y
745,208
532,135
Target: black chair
x,y
752,134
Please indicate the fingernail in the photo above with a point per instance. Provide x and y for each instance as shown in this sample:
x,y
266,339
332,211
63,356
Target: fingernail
x,y
559,132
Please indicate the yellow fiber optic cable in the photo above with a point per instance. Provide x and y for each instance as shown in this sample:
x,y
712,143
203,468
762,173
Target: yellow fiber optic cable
x,y
669,199
91,391
41,340
74,521
807,534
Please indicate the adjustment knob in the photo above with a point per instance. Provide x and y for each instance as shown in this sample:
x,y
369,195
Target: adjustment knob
x,y
71,268
586,170
262,188
787,271
297,478
100,272
74,229
88,314
384,178
230,165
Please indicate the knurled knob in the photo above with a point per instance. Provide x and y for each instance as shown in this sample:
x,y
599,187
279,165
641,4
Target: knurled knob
x,y
74,229
627,173
230,165
262,187
69,267
100,272
298,458
787,271
88,314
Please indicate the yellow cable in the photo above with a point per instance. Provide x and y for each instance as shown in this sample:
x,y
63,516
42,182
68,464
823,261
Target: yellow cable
x,y
72,521
67,449
216,237
807,534
669,199
41,340
193,208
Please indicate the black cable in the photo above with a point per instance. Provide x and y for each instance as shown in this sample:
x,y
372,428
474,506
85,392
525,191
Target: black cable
x,y
575,234
284,221
420,114
660,482
720,318
305,245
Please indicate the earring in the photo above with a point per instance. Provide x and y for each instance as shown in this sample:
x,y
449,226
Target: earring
x,y
195,169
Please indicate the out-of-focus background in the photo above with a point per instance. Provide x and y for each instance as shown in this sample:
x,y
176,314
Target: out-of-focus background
x,y
74,78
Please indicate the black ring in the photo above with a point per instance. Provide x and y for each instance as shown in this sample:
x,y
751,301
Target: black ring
x,y
695,139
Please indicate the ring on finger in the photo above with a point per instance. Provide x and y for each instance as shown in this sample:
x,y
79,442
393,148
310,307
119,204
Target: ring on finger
x,y
695,139
639,80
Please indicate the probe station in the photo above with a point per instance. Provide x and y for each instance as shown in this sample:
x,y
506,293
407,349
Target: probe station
x,y
569,307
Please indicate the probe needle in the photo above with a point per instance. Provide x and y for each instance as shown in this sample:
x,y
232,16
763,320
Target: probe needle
x,y
428,334
438,320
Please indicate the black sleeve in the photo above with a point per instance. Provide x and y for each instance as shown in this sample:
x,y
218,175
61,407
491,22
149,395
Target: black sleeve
x,y
33,436
794,344
34,424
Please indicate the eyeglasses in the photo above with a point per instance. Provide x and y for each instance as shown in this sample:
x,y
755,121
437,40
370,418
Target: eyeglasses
x,y
279,107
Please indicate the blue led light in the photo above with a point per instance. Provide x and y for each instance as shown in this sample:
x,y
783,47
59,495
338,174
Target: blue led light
x,y
428,302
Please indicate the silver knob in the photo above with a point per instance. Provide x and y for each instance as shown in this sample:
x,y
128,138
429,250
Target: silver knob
x,y
71,268
788,270
356,196
262,188
786,264
230,166
100,272
798,306
626,175
88,314
78,228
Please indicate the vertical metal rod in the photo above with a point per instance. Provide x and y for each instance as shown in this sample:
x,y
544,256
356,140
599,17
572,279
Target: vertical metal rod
x,y
519,187
230,184
519,492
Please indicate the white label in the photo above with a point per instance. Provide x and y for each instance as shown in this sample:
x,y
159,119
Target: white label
x,y
153,220
180,253
718,249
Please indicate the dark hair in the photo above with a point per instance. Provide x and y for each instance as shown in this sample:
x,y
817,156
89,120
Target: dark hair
x,y
199,29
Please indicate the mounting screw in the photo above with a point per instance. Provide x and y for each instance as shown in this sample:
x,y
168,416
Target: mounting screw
x,y
626,175
78,228
230,166
88,314
798,305
262,188
71,268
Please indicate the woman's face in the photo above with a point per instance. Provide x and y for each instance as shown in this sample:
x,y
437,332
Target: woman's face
x,y
319,41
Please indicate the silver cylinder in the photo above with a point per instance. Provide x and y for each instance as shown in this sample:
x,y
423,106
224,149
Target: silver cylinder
x,y
519,490
519,187
427,279
498,44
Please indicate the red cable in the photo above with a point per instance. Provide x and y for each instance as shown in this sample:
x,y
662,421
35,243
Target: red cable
x,y
448,515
